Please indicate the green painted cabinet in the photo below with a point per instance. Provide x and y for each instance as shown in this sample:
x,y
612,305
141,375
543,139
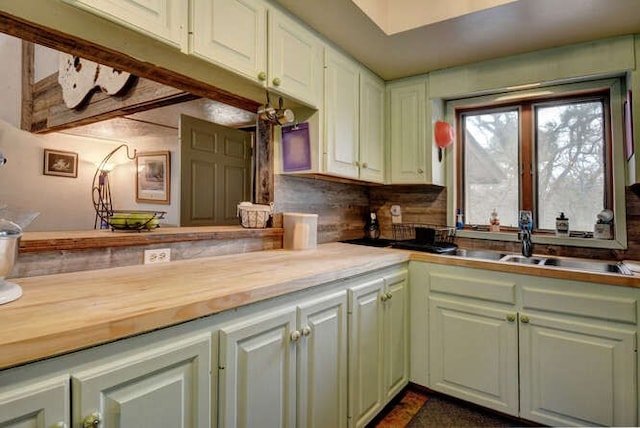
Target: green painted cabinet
x,y
378,344
354,120
286,367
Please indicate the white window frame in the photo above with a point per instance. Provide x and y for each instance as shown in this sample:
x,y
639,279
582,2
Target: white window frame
x,y
617,98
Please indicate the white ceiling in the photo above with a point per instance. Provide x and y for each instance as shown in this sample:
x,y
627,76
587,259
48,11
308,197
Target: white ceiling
x,y
508,29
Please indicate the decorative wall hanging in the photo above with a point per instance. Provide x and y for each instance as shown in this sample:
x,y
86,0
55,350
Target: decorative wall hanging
x,y
60,163
153,178
79,77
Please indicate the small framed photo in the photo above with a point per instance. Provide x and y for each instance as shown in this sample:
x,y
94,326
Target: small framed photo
x,y
60,163
153,177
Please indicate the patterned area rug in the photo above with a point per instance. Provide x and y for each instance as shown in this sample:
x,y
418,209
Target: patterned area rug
x,y
442,412
416,410
408,406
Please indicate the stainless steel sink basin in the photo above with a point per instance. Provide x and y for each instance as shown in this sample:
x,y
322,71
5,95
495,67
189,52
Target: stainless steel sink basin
x,y
516,258
589,266
570,264
480,254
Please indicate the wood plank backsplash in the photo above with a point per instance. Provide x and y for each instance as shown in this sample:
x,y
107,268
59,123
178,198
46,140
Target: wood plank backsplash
x,y
341,207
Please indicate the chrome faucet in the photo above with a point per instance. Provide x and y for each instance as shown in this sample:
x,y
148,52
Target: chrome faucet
x,y
524,235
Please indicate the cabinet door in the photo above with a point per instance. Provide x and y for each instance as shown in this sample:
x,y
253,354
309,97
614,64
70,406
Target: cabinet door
x,y
372,120
165,20
342,101
42,404
165,385
408,133
257,371
232,33
294,59
396,335
577,373
366,351
473,353
322,362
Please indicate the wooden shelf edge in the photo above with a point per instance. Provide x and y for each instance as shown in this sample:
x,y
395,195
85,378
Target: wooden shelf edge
x,y
92,239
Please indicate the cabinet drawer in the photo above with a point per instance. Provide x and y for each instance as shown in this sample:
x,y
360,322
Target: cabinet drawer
x,y
619,309
496,291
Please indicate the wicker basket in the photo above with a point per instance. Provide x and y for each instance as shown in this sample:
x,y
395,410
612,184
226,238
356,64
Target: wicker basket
x,y
253,216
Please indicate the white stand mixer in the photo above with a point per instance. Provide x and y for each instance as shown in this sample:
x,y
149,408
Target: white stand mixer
x,y
10,234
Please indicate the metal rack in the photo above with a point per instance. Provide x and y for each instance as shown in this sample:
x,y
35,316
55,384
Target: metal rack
x,y
407,231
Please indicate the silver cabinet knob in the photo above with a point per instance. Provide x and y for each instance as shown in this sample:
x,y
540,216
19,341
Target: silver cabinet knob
x,y
364,165
262,76
420,171
524,319
276,81
511,317
295,335
306,330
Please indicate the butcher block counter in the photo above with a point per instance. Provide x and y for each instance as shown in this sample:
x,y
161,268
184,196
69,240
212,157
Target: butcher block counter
x,y
66,312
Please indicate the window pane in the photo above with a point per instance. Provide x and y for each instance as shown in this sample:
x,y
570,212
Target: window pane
x,y
491,167
570,157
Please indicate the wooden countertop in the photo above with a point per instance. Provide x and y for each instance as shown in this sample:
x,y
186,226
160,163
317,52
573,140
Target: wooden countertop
x,y
66,312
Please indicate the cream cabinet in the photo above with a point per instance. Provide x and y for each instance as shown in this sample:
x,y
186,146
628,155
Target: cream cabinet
x,y
262,43
473,352
164,20
354,115
378,345
286,367
166,385
557,352
232,33
37,404
410,144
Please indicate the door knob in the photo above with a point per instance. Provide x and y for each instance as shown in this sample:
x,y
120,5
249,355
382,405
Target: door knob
x,y
524,319
511,317
295,335
262,76
276,81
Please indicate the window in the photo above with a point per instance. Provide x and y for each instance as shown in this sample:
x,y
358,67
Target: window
x,y
548,155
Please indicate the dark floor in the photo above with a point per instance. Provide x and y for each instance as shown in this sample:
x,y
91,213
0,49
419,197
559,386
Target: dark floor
x,y
416,409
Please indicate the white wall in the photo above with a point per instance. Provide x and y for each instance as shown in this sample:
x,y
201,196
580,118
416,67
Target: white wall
x,y
64,203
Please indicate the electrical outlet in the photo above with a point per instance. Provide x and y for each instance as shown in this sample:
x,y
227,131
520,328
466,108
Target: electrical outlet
x,y
159,255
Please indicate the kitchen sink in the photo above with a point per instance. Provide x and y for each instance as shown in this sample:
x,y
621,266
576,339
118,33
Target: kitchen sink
x,y
589,266
516,258
479,254
570,264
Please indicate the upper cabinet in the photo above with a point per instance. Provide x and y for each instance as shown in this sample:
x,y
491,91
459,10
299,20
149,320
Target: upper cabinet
x,y
261,43
232,33
354,114
413,158
165,20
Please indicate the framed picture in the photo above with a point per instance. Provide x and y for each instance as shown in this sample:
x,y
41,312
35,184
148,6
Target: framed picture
x,y
60,163
153,177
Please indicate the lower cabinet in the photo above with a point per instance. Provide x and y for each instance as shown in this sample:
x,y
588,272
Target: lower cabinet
x,y
41,404
557,352
577,373
378,345
163,386
474,353
286,367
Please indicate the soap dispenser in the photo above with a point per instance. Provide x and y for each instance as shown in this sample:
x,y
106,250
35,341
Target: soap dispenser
x,y
562,225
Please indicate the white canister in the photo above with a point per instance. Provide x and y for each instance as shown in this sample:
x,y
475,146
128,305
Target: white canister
x,y
300,231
